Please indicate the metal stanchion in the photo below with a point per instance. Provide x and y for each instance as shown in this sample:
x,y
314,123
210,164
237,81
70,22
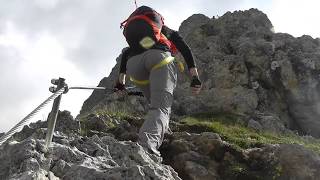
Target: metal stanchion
x,y
54,112
60,83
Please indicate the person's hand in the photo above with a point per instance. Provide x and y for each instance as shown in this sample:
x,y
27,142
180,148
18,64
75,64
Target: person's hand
x,y
195,85
119,88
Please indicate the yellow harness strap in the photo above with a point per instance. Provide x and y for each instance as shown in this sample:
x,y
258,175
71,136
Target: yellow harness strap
x,y
164,62
180,65
139,82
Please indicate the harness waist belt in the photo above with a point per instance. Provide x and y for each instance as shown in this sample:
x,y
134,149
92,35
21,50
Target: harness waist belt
x,y
164,62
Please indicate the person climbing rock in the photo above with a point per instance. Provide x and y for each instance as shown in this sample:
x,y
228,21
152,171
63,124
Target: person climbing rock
x,y
149,62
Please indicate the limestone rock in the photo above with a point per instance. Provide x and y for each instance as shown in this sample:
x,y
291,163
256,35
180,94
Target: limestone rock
x,y
65,124
267,122
89,158
297,162
205,156
290,161
193,22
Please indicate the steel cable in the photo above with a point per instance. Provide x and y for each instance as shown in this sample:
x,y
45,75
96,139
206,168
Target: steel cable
x,y
25,120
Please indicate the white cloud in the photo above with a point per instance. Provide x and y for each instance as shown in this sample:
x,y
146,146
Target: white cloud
x,y
296,17
47,4
36,60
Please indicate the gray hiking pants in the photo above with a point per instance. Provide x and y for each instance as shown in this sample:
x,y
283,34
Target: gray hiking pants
x,y
159,93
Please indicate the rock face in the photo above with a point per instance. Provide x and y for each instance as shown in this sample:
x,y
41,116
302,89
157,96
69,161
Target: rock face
x,y
88,158
205,156
111,152
248,69
65,124
80,158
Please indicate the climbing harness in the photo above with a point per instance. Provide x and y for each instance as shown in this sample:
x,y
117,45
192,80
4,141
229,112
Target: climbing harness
x,y
139,82
162,63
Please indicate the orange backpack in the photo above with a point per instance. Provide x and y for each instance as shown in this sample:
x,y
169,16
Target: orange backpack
x,y
142,29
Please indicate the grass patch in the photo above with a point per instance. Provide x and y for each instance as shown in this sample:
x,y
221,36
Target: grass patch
x,y
105,120
225,118
119,114
238,135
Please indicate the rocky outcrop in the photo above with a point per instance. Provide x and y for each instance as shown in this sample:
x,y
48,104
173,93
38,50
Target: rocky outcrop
x,y
83,158
72,156
199,155
110,151
206,156
65,124
248,69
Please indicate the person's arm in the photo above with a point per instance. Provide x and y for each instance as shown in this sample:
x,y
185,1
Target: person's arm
x,y
121,81
186,52
181,45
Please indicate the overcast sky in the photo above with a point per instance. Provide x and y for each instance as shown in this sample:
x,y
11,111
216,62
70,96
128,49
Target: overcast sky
x,y
80,39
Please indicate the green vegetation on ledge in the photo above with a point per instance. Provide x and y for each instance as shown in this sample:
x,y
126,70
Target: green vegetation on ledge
x,y
104,120
230,128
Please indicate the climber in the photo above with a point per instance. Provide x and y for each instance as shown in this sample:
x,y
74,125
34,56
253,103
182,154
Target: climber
x,y
150,65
